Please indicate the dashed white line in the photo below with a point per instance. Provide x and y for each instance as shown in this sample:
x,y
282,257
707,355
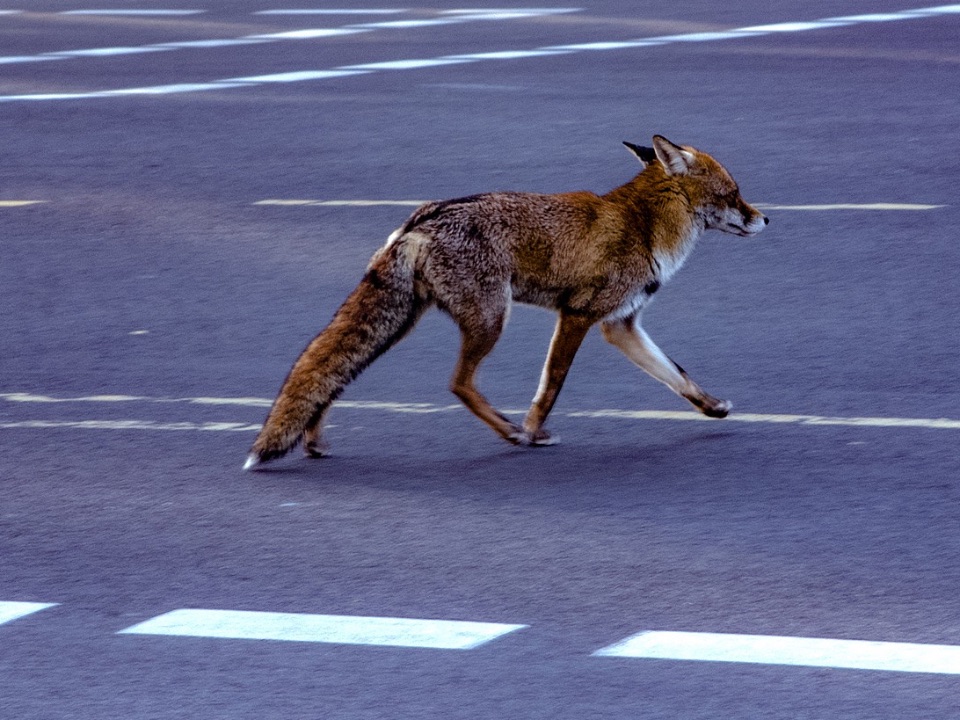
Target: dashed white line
x,y
776,650
335,629
13,610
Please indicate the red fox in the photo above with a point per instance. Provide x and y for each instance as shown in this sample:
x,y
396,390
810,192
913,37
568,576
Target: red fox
x,y
592,259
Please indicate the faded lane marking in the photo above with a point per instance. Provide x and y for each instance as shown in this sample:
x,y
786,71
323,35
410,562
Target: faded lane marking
x,y
128,425
905,207
854,206
427,409
134,13
342,203
19,203
752,31
302,34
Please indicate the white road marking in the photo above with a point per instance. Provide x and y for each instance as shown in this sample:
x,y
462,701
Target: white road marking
x,y
420,63
774,419
344,203
332,11
296,76
19,203
337,629
428,409
128,425
773,650
13,610
852,206
905,207
301,34
142,13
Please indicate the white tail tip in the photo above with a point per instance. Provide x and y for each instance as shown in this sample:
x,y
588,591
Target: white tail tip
x,y
252,462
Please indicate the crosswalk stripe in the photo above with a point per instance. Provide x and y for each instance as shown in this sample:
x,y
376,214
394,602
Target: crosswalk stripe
x,y
335,629
777,650
14,610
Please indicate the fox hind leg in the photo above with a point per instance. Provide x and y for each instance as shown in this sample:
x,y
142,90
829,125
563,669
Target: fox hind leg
x,y
481,324
314,446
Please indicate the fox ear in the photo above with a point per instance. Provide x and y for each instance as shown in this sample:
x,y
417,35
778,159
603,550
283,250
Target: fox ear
x,y
675,160
646,155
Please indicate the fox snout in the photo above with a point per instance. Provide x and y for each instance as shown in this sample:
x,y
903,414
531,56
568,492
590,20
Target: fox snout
x,y
743,220
753,220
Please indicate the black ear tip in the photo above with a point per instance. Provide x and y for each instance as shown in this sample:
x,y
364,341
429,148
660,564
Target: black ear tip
x,y
644,153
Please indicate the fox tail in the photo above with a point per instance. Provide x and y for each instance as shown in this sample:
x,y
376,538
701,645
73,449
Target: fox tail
x,y
377,314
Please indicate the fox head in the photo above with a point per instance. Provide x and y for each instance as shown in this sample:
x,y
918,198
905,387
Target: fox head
x,y
712,191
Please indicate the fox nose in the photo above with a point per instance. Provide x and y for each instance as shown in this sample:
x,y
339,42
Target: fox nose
x,y
766,220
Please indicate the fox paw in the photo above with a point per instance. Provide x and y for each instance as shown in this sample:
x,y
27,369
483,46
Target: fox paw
x,y
316,449
543,438
717,408
537,438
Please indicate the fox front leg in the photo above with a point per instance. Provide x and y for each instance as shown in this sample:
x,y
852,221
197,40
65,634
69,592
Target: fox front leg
x,y
627,335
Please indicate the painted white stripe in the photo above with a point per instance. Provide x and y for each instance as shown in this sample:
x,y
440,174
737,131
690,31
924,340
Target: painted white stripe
x,y
14,610
19,203
302,34
430,408
854,206
206,44
415,64
773,650
406,64
108,52
337,629
10,12
332,11
506,55
128,425
499,11
344,203
309,34
775,419
904,207
296,76
143,13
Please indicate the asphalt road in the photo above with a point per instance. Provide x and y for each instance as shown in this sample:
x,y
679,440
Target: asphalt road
x,y
151,304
